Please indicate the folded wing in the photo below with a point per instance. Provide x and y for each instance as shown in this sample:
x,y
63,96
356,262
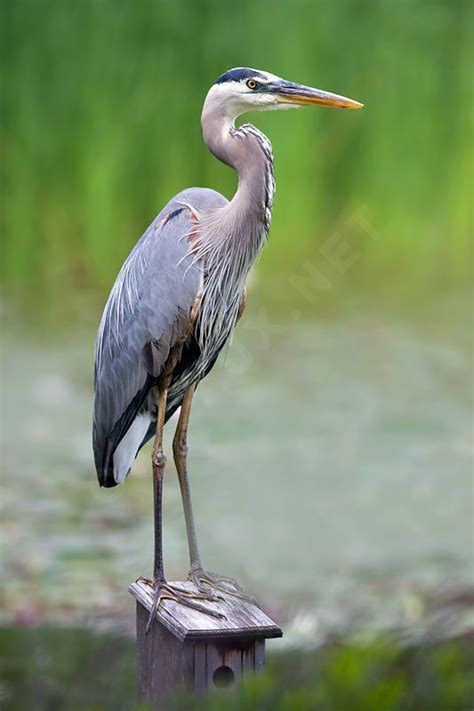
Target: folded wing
x,y
145,316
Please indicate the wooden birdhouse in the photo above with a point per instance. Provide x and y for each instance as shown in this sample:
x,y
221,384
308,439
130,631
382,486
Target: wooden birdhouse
x,y
189,650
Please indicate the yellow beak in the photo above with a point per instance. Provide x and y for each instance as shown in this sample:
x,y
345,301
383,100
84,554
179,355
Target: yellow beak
x,y
289,93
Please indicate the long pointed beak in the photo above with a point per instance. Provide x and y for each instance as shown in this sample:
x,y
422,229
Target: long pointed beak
x,y
289,93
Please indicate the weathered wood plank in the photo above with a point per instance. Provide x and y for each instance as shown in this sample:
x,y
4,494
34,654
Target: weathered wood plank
x,y
224,665
200,676
165,665
242,618
259,651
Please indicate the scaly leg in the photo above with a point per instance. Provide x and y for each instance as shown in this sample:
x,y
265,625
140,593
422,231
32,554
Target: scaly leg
x,y
205,582
162,590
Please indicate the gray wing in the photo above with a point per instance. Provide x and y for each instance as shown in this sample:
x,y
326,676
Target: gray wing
x,y
145,316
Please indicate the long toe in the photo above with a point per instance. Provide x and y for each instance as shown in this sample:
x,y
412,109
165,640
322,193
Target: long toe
x,y
157,596
202,593
205,581
187,599
165,591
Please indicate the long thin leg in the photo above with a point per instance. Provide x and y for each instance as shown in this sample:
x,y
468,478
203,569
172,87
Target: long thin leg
x,y
158,461
201,578
162,590
180,450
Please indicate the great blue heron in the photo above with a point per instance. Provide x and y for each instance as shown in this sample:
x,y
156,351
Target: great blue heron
x,y
177,299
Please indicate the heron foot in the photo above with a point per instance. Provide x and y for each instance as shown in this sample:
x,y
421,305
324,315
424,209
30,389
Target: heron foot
x,y
162,590
206,582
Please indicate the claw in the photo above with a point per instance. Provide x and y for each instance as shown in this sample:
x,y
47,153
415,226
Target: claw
x,y
165,591
204,581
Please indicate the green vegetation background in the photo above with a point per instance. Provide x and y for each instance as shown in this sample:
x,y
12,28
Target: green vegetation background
x,y
59,674
100,108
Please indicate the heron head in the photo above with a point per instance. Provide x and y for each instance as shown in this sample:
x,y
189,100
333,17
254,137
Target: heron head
x,y
243,89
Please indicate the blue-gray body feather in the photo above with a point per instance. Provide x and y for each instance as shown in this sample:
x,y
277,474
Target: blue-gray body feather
x,y
147,313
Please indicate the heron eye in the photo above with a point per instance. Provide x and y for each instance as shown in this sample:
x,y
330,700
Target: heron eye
x,y
252,84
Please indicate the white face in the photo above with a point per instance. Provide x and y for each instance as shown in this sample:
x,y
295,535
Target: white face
x,y
236,97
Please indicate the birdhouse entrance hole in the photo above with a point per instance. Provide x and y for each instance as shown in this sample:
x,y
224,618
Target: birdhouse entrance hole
x,y
223,677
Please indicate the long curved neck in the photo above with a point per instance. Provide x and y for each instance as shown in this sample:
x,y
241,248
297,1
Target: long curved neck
x,y
249,153
230,238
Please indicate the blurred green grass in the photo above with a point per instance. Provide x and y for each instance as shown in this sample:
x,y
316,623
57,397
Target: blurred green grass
x,y
100,107
77,670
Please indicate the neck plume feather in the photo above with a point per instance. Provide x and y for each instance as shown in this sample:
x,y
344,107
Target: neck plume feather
x,y
229,239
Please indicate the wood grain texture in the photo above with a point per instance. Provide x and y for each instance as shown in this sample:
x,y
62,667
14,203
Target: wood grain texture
x,y
242,619
165,665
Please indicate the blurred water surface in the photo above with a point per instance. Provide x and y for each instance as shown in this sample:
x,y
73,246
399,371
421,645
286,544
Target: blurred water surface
x,y
330,469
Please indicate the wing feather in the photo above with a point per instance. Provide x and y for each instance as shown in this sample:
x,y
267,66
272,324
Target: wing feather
x,y
145,316
148,308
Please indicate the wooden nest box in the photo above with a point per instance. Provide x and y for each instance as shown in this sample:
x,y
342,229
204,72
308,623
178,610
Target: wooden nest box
x,y
189,650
